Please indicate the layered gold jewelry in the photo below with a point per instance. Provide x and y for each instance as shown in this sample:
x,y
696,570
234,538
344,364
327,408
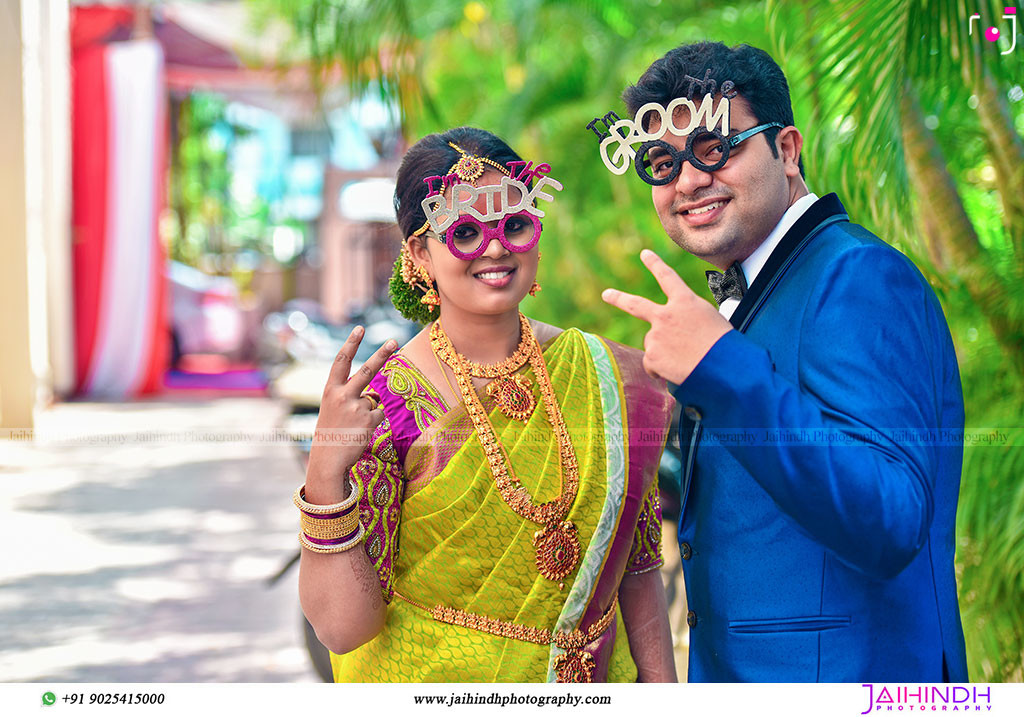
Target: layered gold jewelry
x,y
574,665
416,276
512,392
501,369
556,543
331,528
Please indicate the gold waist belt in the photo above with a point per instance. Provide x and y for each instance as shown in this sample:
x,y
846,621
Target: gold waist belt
x,y
573,665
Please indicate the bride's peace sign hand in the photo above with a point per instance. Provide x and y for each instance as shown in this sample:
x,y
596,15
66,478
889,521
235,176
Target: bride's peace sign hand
x,y
349,413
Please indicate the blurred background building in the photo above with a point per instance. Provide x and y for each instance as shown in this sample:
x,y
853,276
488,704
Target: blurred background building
x,y
170,178
192,222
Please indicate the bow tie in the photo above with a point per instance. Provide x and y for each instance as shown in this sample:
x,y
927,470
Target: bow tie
x,y
730,283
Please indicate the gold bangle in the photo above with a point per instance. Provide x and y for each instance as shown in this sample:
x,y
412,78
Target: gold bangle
x,y
299,498
330,528
305,542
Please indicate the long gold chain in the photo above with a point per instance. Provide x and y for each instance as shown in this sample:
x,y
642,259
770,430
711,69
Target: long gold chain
x,y
445,374
556,542
512,491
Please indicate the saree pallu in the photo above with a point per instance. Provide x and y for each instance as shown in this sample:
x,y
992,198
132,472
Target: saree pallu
x,y
444,535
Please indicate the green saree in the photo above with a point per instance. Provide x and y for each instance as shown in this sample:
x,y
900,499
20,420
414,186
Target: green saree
x,y
440,534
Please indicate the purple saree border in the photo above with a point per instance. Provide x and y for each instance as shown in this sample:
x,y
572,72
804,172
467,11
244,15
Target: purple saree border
x,y
648,406
334,541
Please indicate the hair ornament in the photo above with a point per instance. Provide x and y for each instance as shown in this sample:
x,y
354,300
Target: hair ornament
x,y
409,286
470,167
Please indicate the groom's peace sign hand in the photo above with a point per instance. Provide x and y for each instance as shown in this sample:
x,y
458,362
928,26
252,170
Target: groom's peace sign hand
x,y
682,330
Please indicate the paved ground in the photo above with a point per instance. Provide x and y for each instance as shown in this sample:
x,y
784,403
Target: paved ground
x,y
147,562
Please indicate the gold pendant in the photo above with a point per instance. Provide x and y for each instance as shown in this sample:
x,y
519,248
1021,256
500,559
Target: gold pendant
x,y
574,666
514,396
558,550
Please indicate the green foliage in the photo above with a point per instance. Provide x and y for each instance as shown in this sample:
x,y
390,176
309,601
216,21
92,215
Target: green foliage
x,y
990,515
208,224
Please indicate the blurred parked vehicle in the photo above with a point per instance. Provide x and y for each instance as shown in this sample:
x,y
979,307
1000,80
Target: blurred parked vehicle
x,y
302,344
205,314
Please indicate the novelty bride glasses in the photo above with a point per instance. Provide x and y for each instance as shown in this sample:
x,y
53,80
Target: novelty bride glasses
x,y
467,238
458,211
657,162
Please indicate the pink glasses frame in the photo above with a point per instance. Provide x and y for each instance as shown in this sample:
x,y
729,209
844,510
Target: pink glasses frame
x,y
490,233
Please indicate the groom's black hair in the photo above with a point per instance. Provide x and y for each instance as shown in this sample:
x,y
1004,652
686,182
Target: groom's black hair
x,y
755,75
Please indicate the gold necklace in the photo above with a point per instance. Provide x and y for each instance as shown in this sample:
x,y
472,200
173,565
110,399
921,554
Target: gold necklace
x,y
445,374
513,363
556,543
512,392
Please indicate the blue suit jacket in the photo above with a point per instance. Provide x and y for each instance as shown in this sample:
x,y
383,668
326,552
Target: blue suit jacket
x,y
821,467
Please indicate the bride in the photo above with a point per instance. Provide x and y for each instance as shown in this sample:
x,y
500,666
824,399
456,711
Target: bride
x,y
496,516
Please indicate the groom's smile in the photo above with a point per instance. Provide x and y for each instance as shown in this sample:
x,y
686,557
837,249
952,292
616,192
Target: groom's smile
x,y
722,216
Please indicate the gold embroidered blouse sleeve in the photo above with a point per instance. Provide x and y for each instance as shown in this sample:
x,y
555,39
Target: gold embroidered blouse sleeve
x,y
645,555
380,475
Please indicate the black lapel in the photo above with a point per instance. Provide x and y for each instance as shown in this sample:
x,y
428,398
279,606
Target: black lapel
x,y
826,207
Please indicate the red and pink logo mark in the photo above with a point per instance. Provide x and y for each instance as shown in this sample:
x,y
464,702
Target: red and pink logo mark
x,y
993,34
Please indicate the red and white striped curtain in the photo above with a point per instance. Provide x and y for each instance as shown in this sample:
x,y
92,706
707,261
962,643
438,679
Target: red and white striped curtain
x,y
119,150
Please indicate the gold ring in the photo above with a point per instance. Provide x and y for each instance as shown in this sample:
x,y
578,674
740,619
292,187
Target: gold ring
x,y
372,396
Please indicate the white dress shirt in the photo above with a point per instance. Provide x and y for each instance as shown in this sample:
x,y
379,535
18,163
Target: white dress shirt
x,y
753,264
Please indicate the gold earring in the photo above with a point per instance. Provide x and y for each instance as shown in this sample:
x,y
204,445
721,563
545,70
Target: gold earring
x,y
409,273
534,289
431,298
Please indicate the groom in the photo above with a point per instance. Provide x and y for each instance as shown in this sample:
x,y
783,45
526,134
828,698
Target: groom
x,y
821,400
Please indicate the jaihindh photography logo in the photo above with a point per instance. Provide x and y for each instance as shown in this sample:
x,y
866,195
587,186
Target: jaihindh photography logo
x,y
927,698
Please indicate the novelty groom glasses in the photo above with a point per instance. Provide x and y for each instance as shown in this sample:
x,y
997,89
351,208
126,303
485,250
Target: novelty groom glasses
x,y
657,162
